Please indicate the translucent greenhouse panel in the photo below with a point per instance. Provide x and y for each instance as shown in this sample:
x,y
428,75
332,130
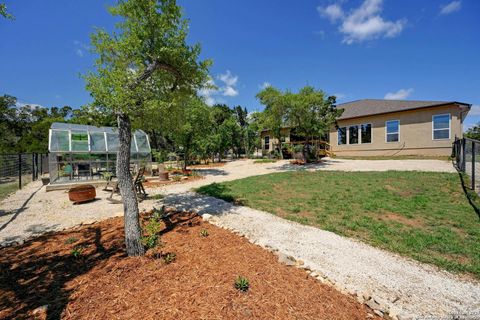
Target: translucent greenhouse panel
x,y
142,142
133,147
97,142
112,142
79,140
59,141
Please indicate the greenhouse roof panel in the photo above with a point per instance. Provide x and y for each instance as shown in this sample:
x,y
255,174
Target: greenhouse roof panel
x,y
69,137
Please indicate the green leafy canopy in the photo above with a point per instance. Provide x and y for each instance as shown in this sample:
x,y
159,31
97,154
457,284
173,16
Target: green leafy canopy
x,y
145,64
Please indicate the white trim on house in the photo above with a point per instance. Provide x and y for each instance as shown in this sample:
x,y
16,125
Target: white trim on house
x,y
359,132
386,131
449,126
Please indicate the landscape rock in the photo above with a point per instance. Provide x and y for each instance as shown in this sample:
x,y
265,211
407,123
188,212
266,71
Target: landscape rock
x,y
206,216
285,259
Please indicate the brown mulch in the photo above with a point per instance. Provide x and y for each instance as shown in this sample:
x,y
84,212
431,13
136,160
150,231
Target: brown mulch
x,y
103,283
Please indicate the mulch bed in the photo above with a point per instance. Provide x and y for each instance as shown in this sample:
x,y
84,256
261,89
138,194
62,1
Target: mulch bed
x,y
103,283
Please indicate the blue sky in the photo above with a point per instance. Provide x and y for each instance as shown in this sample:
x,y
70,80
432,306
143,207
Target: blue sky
x,y
425,50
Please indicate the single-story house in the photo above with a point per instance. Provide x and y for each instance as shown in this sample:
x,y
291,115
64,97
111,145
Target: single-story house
x,y
376,127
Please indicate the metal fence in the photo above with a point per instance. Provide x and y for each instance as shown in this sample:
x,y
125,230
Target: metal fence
x,y
16,170
467,157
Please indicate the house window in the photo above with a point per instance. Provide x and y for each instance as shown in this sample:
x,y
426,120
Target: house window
x,y
441,126
366,133
267,143
342,135
392,130
353,135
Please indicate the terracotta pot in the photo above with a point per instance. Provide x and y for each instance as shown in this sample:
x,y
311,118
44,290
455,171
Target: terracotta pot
x,y
82,193
163,175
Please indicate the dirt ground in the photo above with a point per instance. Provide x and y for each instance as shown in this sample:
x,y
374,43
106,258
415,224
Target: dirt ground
x,y
102,283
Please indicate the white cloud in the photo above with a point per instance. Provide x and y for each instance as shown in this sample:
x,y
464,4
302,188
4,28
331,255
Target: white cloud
x,y
80,48
340,96
211,94
332,12
230,83
363,23
451,7
265,85
230,92
475,110
399,95
32,106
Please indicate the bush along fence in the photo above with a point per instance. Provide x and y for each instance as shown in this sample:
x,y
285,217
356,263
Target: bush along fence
x,y
16,170
467,153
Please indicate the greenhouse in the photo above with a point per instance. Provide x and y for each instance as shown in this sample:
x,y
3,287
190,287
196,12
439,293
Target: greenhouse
x,y
81,152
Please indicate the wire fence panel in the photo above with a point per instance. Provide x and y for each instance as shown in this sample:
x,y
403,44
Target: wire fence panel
x,y
17,170
467,157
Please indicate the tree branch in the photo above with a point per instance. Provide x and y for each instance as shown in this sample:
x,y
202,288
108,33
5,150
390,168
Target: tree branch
x,y
156,65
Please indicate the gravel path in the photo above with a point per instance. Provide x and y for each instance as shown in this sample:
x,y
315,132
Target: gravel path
x,y
398,285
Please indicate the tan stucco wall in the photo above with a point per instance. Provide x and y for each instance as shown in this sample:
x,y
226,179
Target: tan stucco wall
x,y
285,133
415,134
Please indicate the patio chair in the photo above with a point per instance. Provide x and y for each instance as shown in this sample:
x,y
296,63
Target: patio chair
x,y
137,185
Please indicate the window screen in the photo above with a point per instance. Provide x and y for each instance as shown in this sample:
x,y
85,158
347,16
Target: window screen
x,y
441,126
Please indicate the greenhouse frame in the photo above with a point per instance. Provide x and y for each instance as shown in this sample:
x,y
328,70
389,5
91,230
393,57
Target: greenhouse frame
x,y
81,152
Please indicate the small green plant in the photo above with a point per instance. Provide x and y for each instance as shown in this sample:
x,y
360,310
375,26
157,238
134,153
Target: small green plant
x,y
169,257
204,233
151,238
157,197
242,284
71,240
176,178
77,252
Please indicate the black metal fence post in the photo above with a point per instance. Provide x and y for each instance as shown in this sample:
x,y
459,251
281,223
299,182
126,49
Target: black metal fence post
x,y
33,166
473,165
19,171
464,155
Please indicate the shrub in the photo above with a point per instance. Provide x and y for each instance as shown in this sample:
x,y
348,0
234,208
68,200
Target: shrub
x,y
204,233
151,231
242,284
169,257
176,178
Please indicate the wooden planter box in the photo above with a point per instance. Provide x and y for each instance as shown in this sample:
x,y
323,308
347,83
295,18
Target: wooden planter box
x,y
82,194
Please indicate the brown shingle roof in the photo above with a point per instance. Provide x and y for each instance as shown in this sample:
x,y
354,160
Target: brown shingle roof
x,y
368,107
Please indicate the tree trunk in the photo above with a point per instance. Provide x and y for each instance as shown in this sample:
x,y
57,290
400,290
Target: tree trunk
x,y
133,232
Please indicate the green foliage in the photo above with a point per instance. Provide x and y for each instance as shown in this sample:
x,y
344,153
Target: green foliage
x,y
169,257
176,177
151,232
204,233
473,132
71,240
423,215
4,13
77,252
242,284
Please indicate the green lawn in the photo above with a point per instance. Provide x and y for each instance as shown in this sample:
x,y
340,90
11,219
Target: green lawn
x,y
7,188
425,216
